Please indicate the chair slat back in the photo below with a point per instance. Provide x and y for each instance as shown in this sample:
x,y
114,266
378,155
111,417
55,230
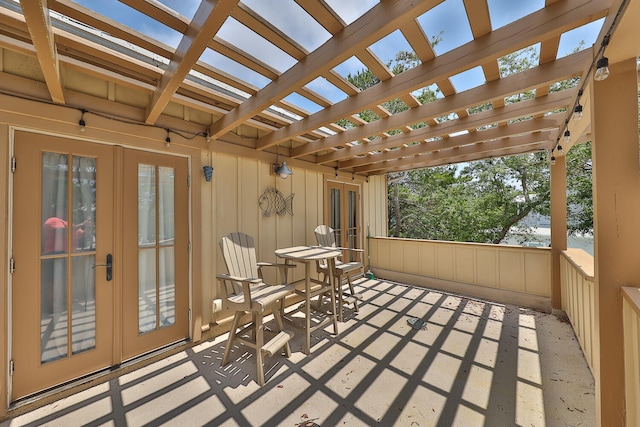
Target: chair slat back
x,y
239,253
325,236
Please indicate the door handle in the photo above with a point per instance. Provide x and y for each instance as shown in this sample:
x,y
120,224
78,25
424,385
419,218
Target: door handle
x,y
109,266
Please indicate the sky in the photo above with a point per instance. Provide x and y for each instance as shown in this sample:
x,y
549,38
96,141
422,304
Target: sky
x,y
443,21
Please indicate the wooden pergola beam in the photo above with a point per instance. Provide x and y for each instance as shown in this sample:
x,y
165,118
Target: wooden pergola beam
x,y
495,133
541,25
545,74
381,20
205,24
36,15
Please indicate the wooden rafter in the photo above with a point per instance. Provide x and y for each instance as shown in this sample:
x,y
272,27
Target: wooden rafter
x,y
36,14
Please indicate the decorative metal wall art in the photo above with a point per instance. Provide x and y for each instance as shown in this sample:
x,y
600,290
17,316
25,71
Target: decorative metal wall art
x,y
273,201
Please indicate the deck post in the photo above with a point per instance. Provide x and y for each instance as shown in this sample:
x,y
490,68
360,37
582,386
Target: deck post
x,y
616,206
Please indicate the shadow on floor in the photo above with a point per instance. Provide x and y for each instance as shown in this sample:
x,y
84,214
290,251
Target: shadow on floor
x,y
472,363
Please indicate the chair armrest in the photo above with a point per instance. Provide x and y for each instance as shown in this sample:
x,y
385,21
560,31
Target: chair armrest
x,y
282,268
250,280
271,264
350,249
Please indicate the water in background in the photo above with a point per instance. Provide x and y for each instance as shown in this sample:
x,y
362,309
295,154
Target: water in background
x,y
543,238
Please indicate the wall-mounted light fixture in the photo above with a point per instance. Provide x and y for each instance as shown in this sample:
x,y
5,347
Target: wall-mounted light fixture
x,y
282,170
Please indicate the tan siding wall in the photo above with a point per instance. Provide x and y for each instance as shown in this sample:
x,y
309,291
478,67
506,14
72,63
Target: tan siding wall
x,y
231,202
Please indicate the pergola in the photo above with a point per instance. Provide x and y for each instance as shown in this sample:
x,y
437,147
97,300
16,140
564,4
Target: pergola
x,y
301,106
63,34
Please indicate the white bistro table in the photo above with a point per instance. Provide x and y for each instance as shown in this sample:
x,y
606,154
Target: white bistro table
x,y
307,255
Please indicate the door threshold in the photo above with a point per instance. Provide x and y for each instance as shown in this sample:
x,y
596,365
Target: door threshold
x,y
60,391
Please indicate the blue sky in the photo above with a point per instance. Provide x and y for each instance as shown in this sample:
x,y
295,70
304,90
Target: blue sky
x,y
443,21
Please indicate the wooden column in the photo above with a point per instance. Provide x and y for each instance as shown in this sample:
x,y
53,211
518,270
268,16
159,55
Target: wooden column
x,y
616,206
558,226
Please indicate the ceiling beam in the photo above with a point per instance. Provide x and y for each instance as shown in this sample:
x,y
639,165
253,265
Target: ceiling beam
x,y
513,111
378,22
498,132
205,24
519,144
561,69
36,15
541,25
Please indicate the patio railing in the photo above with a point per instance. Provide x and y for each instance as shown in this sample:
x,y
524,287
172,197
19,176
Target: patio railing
x,y
631,323
579,299
503,273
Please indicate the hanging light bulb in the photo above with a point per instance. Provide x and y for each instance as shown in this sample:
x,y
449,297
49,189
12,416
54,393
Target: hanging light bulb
x,y
559,149
602,69
553,160
577,112
567,136
81,122
167,140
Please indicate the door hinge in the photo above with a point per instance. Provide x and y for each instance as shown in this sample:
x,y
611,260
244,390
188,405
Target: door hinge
x,y
189,315
11,367
12,265
189,181
13,164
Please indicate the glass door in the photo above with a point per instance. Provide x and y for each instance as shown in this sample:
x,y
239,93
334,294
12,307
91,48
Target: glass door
x,y
342,213
62,292
156,252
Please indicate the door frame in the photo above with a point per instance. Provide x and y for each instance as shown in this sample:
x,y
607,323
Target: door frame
x,y
326,210
194,217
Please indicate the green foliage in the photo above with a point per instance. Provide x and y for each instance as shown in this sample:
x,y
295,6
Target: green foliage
x,y
579,193
484,201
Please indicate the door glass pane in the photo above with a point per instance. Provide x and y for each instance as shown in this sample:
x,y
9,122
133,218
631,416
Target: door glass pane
x,y
156,257
83,304
167,287
59,228
146,205
335,214
147,290
166,228
352,226
55,203
53,309
84,204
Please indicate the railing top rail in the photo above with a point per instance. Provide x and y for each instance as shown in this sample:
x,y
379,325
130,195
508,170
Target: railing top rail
x,y
581,260
632,295
446,242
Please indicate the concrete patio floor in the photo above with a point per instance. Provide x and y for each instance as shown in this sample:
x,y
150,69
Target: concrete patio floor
x,y
474,363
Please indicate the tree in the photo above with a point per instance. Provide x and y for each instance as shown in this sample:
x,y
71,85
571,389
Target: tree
x,y
579,190
484,201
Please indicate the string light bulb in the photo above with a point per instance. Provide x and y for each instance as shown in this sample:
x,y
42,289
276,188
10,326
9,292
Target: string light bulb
x,y
553,158
567,136
602,69
81,122
167,140
559,149
207,135
577,112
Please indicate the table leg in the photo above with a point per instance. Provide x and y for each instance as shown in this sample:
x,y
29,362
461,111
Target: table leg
x,y
307,308
332,277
